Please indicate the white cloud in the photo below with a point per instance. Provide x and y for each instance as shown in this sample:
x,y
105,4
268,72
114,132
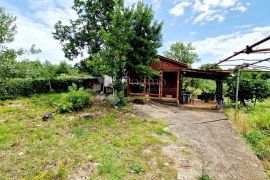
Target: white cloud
x,y
193,33
211,10
35,26
30,33
156,4
208,10
179,9
245,26
131,2
213,49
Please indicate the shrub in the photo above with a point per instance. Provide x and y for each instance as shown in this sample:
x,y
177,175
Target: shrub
x,y
136,168
74,100
254,137
13,88
113,100
19,87
117,99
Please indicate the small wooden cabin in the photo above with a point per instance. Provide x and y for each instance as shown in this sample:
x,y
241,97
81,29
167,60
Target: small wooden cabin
x,y
168,85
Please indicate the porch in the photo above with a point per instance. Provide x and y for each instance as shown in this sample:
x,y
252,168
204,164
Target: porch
x,y
167,86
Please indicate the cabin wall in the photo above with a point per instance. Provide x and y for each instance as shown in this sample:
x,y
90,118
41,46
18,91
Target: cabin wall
x,y
169,85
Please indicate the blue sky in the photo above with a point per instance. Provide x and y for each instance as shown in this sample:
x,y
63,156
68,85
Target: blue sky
x,y
217,28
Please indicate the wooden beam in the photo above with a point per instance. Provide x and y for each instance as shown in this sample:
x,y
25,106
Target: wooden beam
x,y
181,88
161,84
128,87
144,86
177,90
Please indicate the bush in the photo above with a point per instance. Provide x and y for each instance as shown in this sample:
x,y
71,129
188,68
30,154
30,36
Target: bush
x,y
74,100
113,100
117,99
136,168
254,137
26,87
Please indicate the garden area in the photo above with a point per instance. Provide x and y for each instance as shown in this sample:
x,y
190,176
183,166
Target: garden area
x,y
55,125
254,125
97,141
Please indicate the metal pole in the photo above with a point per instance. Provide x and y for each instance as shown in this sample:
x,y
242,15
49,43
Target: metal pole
x,y
237,93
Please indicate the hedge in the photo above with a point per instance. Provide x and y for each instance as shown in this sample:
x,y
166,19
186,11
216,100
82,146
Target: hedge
x,y
26,87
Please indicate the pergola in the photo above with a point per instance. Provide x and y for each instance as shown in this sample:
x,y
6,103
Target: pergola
x,y
248,64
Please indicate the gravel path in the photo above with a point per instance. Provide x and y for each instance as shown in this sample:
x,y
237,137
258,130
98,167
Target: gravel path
x,y
206,143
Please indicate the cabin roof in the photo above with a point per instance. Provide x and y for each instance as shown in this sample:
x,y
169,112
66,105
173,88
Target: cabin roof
x,y
162,58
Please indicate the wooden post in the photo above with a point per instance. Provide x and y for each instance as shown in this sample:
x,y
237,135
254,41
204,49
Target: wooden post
x,y
219,88
177,90
144,86
161,84
181,88
128,86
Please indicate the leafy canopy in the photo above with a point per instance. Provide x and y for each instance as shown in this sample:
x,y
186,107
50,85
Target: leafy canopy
x,y
119,41
252,85
7,27
210,67
7,33
182,52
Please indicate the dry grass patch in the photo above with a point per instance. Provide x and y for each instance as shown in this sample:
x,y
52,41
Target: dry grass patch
x,y
110,146
254,124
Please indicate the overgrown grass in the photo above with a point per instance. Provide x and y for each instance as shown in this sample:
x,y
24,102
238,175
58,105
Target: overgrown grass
x,y
254,124
110,146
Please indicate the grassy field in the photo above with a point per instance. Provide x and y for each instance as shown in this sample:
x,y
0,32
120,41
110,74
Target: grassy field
x,y
116,144
254,124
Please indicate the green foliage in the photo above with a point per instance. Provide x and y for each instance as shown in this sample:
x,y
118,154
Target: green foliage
x,y
182,52
8,30
74,100
254,137
119,40
136,168
114,140
206,89
251,86
85,31
256,128
210,67
7,27
7,33
34,69
144,40
63,68
113,100
259,143
27,87
204,176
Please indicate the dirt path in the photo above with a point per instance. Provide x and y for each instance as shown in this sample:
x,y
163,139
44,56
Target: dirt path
x,y
206,142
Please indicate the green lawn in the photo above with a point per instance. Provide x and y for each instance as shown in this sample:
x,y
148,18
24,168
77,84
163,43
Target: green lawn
x,y
114,145
254,124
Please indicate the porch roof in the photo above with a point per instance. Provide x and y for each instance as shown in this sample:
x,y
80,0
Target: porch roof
x,y
206,74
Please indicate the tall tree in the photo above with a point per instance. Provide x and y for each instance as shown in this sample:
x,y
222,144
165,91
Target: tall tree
x,y
84,33
119,40
182,52
7,33
145,41
252,86
210,67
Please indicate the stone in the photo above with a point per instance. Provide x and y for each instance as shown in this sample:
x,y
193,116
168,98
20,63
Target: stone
x,y
166,164
86,116
20,153
47,117
97,164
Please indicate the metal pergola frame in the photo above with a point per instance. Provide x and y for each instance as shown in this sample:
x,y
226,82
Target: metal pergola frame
x,y
252,63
